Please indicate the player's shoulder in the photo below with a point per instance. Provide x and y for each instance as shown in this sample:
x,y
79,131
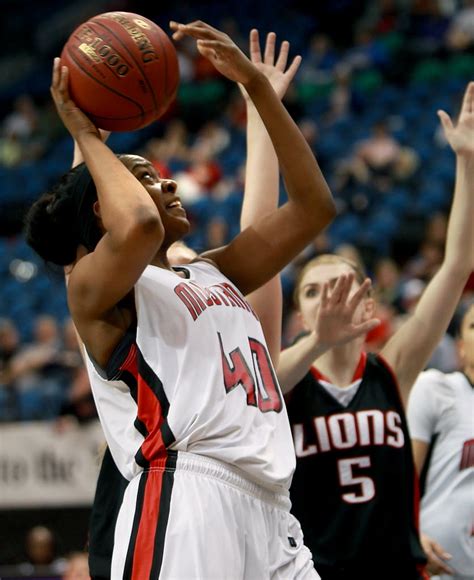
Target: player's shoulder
x,y
203,262
437,381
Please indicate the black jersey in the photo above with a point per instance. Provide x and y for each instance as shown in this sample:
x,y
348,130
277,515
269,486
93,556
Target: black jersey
x,y
108,498
354,489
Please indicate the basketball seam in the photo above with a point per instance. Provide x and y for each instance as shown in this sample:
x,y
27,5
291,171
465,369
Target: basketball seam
x,y
137,62
165,58
86,72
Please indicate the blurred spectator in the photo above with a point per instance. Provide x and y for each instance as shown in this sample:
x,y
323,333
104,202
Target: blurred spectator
x,y
368,52
23,120
173,146
387,281
21,137
429,257
460,34
9,346
319,61
341,98
426,29
40,551
78,400
378,160
384,16
38,371
77,567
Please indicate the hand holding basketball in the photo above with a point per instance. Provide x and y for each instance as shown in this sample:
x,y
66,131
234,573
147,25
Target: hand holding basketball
x,y
219,48
75,121
123,70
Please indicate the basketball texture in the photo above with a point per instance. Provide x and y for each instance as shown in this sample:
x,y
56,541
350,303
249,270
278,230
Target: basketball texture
x,y
123,70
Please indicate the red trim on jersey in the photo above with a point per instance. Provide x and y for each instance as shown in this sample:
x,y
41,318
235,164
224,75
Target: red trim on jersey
x,y
145,542
358,373
149,410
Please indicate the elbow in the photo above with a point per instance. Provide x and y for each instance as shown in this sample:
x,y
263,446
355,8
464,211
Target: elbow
x,y
322,214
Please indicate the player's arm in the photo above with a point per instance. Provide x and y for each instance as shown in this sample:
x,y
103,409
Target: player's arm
x,y
262,178
131,219
409,349
333,326
77,157
423,412
436,554
263,249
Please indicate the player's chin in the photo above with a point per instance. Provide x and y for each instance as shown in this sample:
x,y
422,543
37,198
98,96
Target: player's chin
x,y
177,225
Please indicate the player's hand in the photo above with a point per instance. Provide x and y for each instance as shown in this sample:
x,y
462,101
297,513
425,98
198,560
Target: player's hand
x,y
436,555
461,136
334,324
75,121
219,48
275,72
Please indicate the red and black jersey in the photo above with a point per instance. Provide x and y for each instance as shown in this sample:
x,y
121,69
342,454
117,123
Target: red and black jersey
x,y
354,489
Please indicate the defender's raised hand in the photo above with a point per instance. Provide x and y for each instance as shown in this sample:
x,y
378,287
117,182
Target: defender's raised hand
x,y
219,48
75,121
461,136
275,72
334,325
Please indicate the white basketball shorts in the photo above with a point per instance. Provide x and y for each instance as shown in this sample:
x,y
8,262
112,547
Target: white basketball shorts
x,y
199,519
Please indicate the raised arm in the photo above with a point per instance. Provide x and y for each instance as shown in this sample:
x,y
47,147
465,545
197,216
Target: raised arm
x,y
262,178
134,231
409,349
262,250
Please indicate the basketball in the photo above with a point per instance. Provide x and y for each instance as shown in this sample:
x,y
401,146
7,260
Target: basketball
x,y
123,70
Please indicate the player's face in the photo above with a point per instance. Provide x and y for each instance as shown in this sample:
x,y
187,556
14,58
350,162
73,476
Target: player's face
x,y
164,194
311,286
467,338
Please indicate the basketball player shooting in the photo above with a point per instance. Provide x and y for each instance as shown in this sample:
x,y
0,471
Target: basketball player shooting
x,y
192,412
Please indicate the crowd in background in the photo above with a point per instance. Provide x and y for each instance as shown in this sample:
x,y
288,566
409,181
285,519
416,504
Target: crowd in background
x,y
366,103
365,97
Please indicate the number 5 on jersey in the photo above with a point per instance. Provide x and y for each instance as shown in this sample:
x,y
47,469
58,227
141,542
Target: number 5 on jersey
x,y
260,386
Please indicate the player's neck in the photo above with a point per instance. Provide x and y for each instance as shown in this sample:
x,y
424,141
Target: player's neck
x,y
160,260
339,364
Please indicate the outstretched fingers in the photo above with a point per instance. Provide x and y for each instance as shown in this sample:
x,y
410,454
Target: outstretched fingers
x,y
338,290
445,121
197,29
364,327
269,55
359,294
282,59
255,52
56,73
294,66
468,100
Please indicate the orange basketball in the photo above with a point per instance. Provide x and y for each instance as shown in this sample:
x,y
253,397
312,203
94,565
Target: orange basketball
x,y
123,70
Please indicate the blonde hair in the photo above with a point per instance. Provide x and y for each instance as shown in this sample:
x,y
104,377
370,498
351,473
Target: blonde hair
x,y
359,272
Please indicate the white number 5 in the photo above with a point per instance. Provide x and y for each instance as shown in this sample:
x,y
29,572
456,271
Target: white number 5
x,y
366,490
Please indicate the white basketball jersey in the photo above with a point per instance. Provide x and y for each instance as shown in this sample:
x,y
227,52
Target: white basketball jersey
x,y
195,376
442,406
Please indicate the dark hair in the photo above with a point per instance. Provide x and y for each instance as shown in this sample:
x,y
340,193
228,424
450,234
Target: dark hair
x,y
63,218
